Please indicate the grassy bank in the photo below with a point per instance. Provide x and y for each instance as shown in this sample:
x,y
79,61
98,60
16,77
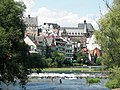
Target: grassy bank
x,y
67,69
70,70
63,70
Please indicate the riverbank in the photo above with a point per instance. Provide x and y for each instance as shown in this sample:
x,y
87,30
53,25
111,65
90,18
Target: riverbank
x,y
116,89
82,69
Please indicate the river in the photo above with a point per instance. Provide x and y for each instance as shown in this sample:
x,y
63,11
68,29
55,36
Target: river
x,y
54,84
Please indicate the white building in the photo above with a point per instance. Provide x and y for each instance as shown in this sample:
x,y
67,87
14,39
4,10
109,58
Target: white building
x,y
91,43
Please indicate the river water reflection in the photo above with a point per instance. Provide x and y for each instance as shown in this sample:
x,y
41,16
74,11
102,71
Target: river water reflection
x,y
54,84
67,84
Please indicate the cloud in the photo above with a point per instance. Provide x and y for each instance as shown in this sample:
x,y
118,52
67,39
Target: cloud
x,y
29,4
63,18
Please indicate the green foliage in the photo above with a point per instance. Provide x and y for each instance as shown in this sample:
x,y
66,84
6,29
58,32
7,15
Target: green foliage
x,y
112,84
57,59
92,80
114,81
99,61
36,61
109,36
82,58
115,73
13,50
55,70
78,56
49,62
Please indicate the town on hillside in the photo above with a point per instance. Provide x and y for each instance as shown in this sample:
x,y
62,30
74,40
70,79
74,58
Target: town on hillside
x,y
67,40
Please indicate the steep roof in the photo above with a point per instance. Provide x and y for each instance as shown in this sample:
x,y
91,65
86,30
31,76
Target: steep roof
x,y
80,27
36,39
31,21
89,26
31,37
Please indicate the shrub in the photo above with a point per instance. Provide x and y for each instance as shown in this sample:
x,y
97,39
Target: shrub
x,y
92,80
112,84
114,81
99,61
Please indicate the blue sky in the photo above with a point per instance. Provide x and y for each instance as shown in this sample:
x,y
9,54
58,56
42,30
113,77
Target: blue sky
x,y
66,12
81,7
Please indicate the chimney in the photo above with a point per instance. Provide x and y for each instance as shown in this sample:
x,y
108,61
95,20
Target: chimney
x,y
84,21
86,29
39,30
28,16
85,26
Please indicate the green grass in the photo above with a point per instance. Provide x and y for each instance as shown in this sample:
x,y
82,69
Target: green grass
x,y
67,69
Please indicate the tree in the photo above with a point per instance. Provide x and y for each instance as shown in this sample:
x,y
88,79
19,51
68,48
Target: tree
x,y
82,58
108,37
57,59
60,59
13,50
36,61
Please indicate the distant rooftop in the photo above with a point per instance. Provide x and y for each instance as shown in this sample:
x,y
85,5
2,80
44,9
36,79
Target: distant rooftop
x,y
89,26
31,21
55,25
81,26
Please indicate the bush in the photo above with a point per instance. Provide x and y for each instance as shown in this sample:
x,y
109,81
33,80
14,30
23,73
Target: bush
x,y
92,80
36,61
112,84
114,81
99,61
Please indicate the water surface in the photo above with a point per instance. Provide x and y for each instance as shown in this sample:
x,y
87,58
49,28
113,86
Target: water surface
x,y
54,84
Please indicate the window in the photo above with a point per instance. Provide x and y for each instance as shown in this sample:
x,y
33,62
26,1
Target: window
x,y
32,48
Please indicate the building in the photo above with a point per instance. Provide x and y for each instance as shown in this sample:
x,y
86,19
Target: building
x,y
47,37
65,46
49,29
31,25
79,34
37,44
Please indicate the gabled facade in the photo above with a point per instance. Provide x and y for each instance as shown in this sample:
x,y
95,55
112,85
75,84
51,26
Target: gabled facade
x,y
41,43
30,41
31,25
37,44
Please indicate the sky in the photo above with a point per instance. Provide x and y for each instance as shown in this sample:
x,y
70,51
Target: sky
x,y
66,12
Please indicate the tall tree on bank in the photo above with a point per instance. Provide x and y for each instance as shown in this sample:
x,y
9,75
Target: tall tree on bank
x,y
13,50
109,35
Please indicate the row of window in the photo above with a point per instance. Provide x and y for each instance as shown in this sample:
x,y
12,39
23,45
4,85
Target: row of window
x,y
69,55
31,25
69,51
68,46
74,33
